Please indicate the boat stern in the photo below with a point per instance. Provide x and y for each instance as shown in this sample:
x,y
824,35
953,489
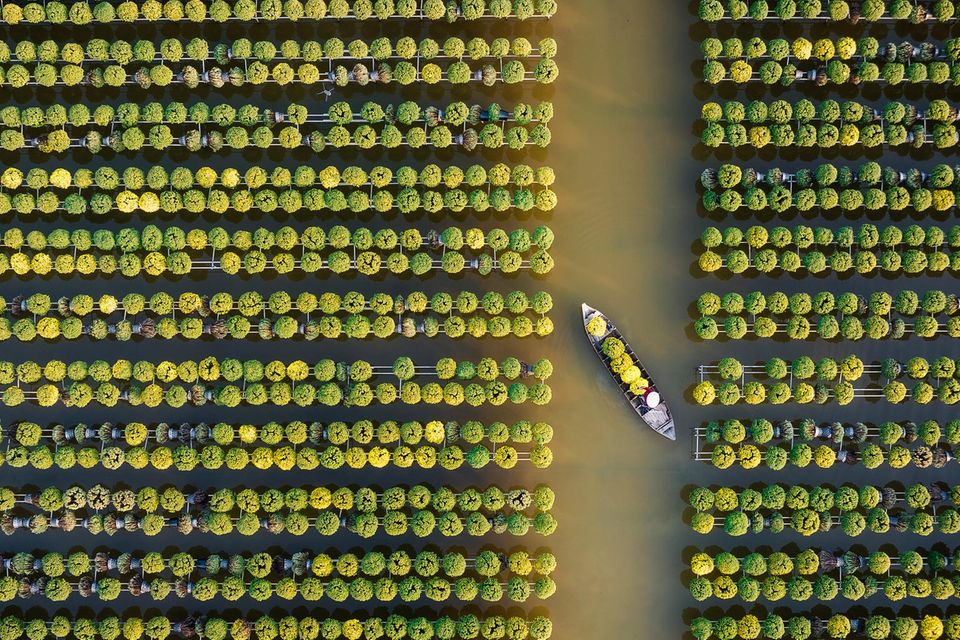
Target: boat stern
x,y
669,431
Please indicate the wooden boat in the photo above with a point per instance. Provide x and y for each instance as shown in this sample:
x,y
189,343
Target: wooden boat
x,y
657,417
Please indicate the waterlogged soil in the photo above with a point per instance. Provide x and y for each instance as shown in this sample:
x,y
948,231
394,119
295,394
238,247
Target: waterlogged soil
x,y
624,149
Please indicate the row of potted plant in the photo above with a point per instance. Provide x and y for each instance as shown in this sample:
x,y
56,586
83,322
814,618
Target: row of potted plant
x,y
912,249
293,200
195,138
407,589
278,317
824,50
253,261
172,500
827,62
801,454
332,327
815,561
154,251
871,456
297,446
848,368
846,315
392,562
246,73
931,626
707,392
830,259
80,12
828,124
374,575
210,369
252,304
296,433
128,114
822,588
134,626
820,509
761,431
772,626
826,111
865,236
820,498
183,191
930,379
277,383
184,457
422,522
131,114
826,187
200,126
488,576
826,174
290,200
268,200
256,177
808,522
827,135
905,11
222,52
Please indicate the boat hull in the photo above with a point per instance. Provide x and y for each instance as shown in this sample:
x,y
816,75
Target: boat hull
x,y
659,418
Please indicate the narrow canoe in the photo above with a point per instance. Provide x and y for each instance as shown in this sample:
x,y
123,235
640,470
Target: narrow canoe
x,y
657,417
